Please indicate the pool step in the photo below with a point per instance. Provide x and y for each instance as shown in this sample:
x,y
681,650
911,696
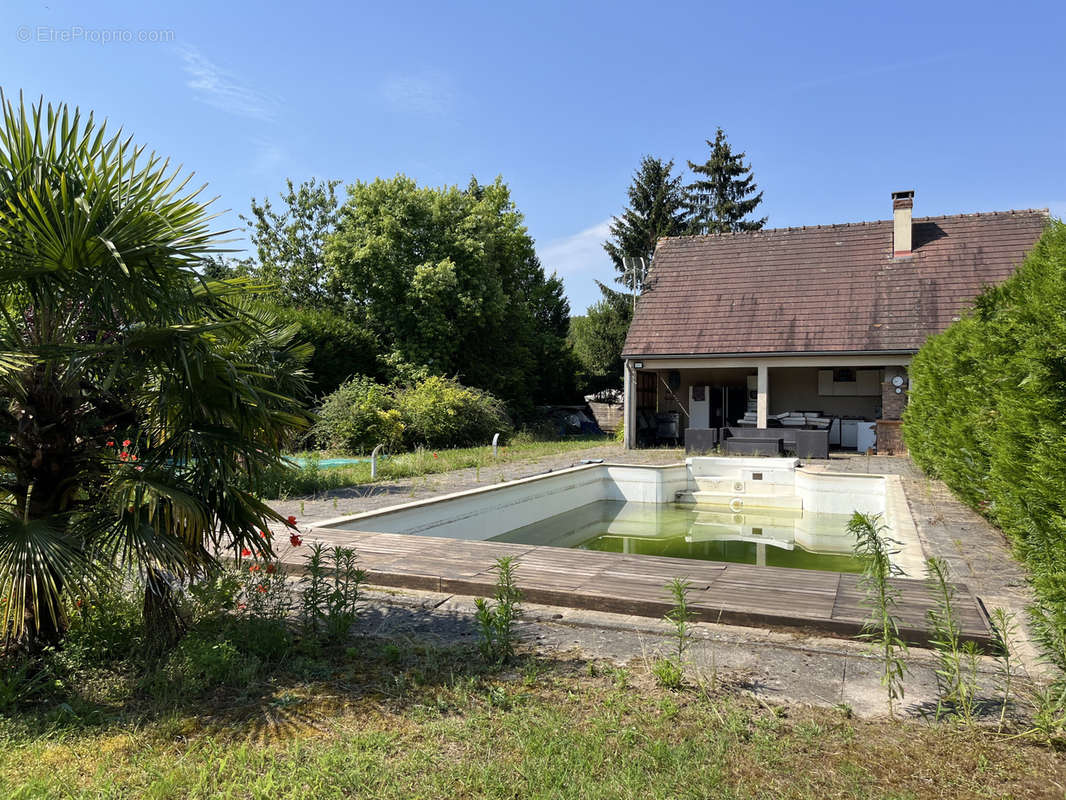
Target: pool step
x,y
737,501
745,486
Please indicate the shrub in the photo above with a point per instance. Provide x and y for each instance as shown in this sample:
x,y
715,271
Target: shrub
x,y
440,412
342,348
359,416
987,414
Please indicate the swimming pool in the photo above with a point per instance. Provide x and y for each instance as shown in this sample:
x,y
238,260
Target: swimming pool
x,y
766,511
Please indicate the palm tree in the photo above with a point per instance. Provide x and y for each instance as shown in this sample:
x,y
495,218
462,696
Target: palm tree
x,y
140,404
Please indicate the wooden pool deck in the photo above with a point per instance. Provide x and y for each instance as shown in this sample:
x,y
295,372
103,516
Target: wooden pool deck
x,y
734,594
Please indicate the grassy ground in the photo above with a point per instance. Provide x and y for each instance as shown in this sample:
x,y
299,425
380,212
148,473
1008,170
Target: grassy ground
x,y
311,478
389,721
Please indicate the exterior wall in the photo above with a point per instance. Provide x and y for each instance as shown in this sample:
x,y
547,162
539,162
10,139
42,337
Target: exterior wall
x,y
796,389
889,428
892,404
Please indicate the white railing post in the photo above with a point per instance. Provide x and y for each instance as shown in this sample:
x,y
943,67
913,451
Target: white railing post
x,y
495,444
374,461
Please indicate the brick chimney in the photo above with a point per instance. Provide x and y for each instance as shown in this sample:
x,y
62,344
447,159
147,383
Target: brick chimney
x,y
902,205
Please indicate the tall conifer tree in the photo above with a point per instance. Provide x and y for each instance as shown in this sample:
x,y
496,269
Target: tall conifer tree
x,y
656,208
723,193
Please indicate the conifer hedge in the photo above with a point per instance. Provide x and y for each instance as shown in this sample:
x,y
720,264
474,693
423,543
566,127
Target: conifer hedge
x,y
987,412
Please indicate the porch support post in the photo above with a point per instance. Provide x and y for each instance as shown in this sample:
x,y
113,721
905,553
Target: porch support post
x,y
629,405
764,396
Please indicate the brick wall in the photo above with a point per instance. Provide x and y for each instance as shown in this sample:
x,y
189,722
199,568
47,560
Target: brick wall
x,y
889,429
892,404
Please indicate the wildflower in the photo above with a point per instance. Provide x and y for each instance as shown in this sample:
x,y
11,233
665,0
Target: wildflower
x,y
292,520
253,568
263,534
245,552
435,455
241,606
110,442
261,588
123,455
271,569
140,468
133,458
126,443
295,540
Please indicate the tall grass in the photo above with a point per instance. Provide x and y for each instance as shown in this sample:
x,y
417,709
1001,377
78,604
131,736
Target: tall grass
x,y
313,478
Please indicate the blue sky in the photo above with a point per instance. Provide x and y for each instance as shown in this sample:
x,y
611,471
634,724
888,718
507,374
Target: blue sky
x,y
836,104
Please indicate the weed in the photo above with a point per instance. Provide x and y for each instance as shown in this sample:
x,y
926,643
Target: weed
x,y
882,630
956,670
330,591
1004,631
668,673
496,637
680,616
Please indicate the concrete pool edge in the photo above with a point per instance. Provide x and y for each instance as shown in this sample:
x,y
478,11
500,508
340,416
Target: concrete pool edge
x,y
491,511
421,559
732,594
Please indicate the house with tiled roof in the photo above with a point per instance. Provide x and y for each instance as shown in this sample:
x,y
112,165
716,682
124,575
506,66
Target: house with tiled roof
x,y
805,328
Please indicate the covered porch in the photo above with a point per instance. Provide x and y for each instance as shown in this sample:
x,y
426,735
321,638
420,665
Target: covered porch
x,y
857,399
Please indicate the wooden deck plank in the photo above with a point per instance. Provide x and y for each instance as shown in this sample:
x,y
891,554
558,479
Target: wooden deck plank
x,y
741,594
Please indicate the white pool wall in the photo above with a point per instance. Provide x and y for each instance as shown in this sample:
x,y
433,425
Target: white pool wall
x,y
493,510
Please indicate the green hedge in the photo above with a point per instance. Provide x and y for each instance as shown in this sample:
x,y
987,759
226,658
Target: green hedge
x,y
987,412
433,412
343,348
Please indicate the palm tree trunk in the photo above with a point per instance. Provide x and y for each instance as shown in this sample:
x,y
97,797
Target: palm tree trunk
x,y
163,620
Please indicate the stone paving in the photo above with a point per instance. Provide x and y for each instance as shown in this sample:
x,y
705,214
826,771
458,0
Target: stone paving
x,y
778,665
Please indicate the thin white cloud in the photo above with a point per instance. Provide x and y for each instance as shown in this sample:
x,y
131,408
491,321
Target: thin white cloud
x,y
418,94
580,260
223,90
578,253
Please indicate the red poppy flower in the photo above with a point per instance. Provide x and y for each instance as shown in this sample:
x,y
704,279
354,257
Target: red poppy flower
x,y
245,552
295,540
435,455
253,568
271,569
123,455
133,458
292,520
140,468
126,443
110,442
261,588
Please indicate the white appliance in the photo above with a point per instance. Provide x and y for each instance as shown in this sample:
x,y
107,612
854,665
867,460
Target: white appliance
x,y
699,406
849,433
753,393
866,436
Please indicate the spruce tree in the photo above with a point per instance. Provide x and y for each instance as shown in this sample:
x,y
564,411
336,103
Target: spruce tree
x,y
656,208
724,193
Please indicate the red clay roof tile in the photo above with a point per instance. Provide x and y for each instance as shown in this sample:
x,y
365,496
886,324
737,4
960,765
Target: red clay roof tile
x,y
823,289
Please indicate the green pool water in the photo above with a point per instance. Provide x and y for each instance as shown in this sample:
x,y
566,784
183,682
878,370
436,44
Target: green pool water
x,y
771,537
